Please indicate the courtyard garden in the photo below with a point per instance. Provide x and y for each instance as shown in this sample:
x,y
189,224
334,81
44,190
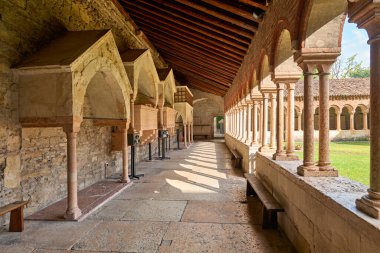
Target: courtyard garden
x,y
350,158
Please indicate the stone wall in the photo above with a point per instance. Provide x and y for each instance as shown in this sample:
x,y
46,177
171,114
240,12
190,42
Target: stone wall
x,y
206,106
320,213
247,152
33,161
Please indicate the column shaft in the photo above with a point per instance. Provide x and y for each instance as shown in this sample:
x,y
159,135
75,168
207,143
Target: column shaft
x,y
254,124
273,102
308,135
124,175
280,122
73,211
264,123
324,123
365,125
248,130
290,124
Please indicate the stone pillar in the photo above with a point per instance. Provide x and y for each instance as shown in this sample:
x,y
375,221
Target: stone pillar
x,y
248,130
272,143
238,121
132,104
264,123
308,167
365,115
73,211
338,124
185,135
299,121
124,174
352,114
290,124
243,123
324,163
366,15
254,124
192,132
280,154
189,133
261,122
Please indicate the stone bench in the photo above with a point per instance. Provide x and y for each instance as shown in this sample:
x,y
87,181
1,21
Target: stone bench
x,y
16,223
206,136
270,205
236,158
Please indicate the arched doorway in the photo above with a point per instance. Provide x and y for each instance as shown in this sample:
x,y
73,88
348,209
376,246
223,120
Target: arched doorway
x,y
218,127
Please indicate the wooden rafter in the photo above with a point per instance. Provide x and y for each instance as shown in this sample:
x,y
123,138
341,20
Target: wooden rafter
x,y
232,9
219,15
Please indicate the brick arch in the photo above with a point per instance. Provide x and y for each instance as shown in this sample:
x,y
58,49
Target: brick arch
x,y
265,78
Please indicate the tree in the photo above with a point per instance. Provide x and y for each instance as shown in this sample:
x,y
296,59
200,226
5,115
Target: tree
x,y
349,69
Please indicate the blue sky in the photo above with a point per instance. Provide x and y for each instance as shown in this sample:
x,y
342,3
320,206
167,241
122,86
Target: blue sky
x,y
354,41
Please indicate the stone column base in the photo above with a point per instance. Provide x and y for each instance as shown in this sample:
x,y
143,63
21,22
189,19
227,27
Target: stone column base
x,y
72,214
265,149
368,206
285,157
314,171
125,181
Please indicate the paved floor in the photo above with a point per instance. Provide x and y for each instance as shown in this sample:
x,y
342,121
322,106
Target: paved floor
x,y
194,202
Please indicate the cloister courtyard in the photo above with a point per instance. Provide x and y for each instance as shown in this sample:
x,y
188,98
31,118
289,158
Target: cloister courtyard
x,y
189,126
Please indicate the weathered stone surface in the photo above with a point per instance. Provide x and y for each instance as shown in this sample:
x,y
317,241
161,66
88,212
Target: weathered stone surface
x,y
48,235
12,172
144,210
195,237
124,236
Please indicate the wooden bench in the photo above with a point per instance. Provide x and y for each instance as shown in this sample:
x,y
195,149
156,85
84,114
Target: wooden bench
x,y
236,157
270,205
16,223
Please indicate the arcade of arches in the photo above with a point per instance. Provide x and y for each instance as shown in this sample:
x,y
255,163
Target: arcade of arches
x,y
89,89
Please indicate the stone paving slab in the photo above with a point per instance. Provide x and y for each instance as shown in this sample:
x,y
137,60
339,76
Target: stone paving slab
x,y
144,210
229,238
48,235
124,236
216,212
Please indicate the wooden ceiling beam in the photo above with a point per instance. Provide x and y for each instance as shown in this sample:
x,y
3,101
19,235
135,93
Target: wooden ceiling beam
x,y
205,83
219,15
213,21
205,86
148,28
202,76
144,19
202,69
183,47
235,10
199,64
205,89
193,23
202,61
147,15
168,38
254,4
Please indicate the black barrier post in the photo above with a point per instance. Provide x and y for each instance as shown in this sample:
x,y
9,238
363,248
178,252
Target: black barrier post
x,y
158,147
150,151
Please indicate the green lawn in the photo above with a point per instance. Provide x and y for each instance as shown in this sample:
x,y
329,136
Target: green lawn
x,y
350,158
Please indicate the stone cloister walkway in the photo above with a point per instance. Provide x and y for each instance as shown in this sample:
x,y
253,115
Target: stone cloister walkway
x,y
194,202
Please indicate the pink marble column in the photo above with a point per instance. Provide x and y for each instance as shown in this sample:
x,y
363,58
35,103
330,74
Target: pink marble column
x,y
264,123
308,166
280,154
124,174
290,124
254,123
73,211
272,143
324,163
243,123
366,15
